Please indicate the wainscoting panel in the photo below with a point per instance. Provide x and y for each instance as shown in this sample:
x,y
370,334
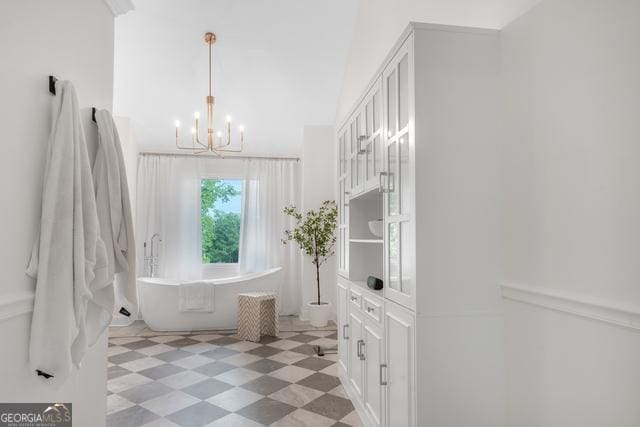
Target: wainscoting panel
x,y
612,313
15,305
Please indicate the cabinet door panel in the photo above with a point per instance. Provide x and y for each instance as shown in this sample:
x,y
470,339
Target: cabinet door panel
x,y
394,256
403,184
377,157
369,170
403,92
377,111
399,343
393,198
392,103
344,170
356,370
399,182
371,138
374,392
343,327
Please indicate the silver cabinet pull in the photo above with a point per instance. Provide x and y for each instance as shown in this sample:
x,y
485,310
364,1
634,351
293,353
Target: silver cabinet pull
x,y
344,332
359,349
354,298
391,183
370,309
383,381
381,188
360,139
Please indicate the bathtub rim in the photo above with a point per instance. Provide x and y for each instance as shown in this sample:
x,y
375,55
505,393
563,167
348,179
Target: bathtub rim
x,y
159,281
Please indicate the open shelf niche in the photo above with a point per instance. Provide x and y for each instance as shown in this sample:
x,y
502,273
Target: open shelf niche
x,y
365,249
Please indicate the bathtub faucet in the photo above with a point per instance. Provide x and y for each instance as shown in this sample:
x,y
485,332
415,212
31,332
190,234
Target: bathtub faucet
x,y
151,260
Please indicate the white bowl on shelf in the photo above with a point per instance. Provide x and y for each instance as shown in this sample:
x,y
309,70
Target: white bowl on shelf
x,y
376,227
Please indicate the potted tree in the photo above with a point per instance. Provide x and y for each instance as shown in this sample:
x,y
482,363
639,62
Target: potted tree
x,y
314,232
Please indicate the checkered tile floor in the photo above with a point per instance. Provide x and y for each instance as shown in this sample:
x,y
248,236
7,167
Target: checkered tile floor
x,y
218,380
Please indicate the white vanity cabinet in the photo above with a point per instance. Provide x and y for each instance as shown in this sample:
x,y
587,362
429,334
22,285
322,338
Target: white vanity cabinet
x,y
419,150
362,349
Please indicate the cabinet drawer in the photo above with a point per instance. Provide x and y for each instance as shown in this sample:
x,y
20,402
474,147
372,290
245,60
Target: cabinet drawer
x,y
355,298
372,308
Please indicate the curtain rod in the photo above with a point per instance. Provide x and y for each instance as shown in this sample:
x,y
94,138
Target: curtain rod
x,y
211,156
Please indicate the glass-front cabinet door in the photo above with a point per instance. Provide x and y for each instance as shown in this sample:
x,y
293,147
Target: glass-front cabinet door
x,y
356,154
343,201
397,181
371,137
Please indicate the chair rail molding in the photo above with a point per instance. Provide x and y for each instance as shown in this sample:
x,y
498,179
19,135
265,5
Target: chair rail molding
x,y
16,305
605,311
120,7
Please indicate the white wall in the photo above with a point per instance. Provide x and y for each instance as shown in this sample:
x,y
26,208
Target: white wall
x,y
72,39
130,152
379,23
571,161
318,181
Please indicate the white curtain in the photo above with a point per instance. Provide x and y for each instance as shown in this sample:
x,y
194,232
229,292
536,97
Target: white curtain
x,y
169,205
168,196
270,185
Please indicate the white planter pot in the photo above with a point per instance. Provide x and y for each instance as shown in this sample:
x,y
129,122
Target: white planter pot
x,y
319,314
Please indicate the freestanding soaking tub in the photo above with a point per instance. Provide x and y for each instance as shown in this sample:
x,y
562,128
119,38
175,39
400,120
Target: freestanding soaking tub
x,y
159,301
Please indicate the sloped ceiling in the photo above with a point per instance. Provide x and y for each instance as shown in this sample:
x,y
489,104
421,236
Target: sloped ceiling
x,y
278,66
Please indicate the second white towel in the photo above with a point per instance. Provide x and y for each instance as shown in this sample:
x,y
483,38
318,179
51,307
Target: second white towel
x,y
198,296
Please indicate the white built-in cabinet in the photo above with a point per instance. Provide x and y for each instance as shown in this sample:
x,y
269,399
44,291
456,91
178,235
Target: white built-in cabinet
x,y
417,152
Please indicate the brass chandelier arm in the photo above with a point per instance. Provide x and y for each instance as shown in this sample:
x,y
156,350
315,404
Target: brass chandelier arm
x,y
230,150
214,139
194,141
196,135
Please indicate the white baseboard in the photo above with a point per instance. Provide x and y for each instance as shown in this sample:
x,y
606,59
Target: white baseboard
x,y
611,313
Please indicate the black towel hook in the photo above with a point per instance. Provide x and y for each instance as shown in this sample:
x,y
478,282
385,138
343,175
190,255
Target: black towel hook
x,y
52,90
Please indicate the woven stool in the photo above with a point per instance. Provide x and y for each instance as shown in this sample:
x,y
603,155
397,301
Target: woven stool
x,y
257,315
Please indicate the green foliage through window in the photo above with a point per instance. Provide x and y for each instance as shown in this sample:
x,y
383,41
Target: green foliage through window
x,y
220,210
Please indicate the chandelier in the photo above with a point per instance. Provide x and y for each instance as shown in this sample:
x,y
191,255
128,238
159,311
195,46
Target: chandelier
x,y
217,141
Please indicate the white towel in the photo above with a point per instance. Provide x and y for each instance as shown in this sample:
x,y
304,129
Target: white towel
x,y
69,258
196,296
114,215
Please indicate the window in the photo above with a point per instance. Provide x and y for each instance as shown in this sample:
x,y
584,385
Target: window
x,y
220,211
